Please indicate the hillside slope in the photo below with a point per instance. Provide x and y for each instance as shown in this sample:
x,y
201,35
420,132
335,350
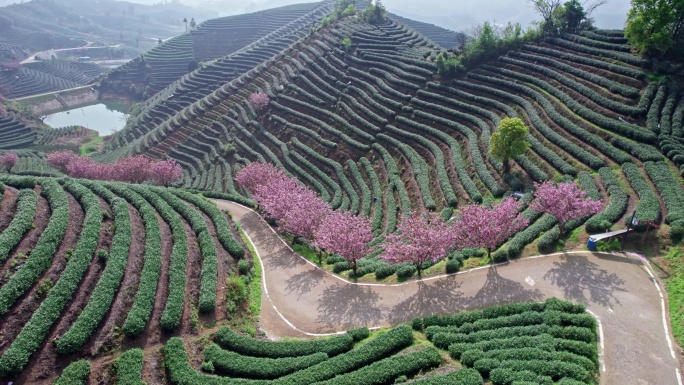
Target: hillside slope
x,y
375,123
109,29
211,40
85,263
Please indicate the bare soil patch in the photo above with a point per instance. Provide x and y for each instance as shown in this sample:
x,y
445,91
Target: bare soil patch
x,y
26,305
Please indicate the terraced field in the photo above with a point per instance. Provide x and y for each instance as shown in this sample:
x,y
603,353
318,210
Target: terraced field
x,y
88,266
212,39
49,76
544,343
15,134
43,25
375,132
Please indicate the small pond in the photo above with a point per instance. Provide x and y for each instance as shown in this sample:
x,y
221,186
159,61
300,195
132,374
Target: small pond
x,y
103,118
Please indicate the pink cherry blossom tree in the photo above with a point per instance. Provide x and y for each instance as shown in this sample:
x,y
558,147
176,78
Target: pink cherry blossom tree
x,y
346,235
165,172
274,196
8,160
296,209
12,65
258,100
305,213
257,174
83,167
480,226
134,169
563,201
420,237
61,159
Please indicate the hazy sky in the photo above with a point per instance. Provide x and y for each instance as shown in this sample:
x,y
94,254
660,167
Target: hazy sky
x,y
457,15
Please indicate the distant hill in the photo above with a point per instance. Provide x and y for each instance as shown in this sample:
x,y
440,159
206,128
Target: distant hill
x,y
42,25
444,37
379,115
214,39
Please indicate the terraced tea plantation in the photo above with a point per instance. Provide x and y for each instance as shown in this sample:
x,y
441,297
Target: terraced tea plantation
x,y
373,131
110,30
49,76
540,343
87,266
15,134
213,39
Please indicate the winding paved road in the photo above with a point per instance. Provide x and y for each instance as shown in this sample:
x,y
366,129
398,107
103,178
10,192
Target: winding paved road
x,y
619,290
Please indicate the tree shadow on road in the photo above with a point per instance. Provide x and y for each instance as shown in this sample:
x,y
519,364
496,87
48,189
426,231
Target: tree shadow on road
x,y
436,297
349,306
274,253
303,282
500,290
584,281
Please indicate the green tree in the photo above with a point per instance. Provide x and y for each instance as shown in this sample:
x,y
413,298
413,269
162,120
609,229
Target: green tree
x,y
573,16
548,9
656,27
341,6
509,141
375,13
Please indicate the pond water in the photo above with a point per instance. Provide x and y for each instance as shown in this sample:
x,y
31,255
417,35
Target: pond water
x,y
103,118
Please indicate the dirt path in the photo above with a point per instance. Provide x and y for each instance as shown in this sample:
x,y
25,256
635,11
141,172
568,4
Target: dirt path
x,y
300,299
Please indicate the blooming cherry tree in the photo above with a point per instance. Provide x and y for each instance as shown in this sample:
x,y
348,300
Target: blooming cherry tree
x,y
346,235
135,169
61,159
258,100
8,160
420,237
564,201
480,226
296,209
257,174
165,172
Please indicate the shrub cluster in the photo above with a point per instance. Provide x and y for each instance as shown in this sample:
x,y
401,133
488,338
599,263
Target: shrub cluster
x,y
460,377
669,189
129,367
103,295
616,206
648,207
387,370
75,374
237,365
140,312
173,310
41,256
332,346
223,232
35,330
455,147
22,222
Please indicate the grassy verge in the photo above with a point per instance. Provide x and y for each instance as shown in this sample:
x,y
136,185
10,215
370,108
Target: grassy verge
x,y
255,284
674,284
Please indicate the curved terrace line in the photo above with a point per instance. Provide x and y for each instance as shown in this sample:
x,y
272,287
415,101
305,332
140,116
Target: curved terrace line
x,y
305,300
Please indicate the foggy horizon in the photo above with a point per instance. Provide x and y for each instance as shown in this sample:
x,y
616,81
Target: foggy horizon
x,y
457,16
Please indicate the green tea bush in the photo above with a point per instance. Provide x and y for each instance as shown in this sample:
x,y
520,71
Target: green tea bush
x,y
22,222
236,365
129,367
332,346
102,297
42,254
75,374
